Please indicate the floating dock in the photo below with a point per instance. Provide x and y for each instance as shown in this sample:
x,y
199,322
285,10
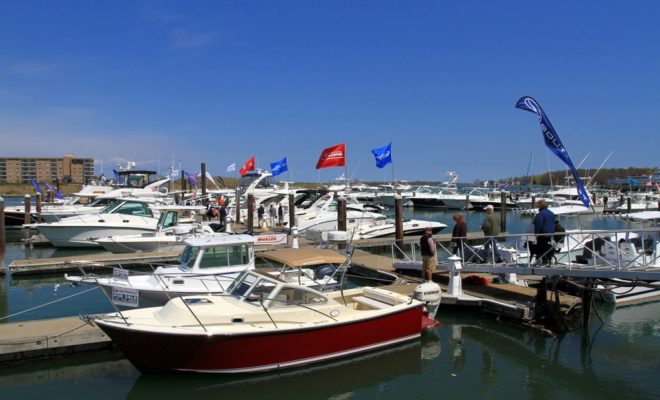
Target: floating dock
x,y
54,337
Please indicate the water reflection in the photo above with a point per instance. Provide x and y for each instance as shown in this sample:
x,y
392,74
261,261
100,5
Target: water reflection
x,y
336,379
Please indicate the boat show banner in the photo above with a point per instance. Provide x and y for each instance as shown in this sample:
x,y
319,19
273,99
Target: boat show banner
x,y
553,142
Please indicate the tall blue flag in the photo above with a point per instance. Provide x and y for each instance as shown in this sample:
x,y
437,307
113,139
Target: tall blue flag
x,y
383,155
553,142
36,185
632,181
278,167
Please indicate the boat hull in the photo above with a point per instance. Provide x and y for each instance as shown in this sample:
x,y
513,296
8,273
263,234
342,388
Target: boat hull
x,y
273,349
85,236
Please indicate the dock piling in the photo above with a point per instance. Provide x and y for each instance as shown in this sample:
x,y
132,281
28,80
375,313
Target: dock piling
x,y
341,213
398,217
26,217
237,202
2,230
39,205
292,212
503,210
250,214
203,169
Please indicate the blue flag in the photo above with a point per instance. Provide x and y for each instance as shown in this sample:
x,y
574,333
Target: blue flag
x,y
383,155
192,181
116,175
553,142
36,186
632,182
58,194
278,167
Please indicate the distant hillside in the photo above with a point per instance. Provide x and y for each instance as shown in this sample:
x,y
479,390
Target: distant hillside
x,y
601,178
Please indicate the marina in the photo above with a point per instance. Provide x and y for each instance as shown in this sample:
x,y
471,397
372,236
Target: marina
x,y
373,261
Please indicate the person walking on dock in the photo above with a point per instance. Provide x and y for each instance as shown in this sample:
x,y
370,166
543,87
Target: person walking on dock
x,y
458,235
280,214
544,225
260,215
427,244
272,213
491,227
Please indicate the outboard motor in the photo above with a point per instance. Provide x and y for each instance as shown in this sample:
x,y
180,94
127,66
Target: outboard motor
x,y
429,294
322,271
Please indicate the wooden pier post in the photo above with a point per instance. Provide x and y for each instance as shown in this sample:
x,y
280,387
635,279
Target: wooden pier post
x,y
628,204
503,211
2,230
621,200
250,214
39,204
533,204
586,307
467,201
341,213
49,196
26,216
204,199
292,212
183,181
237,201
398,220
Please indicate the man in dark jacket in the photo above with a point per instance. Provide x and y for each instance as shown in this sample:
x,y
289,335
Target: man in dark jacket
x,y
544,225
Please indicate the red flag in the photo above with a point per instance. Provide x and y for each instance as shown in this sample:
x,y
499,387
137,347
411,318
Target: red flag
x,y
248,166
334,156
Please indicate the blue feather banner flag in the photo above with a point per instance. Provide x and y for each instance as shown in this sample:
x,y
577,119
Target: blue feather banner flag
x,y
383,155
58,194
553,142
36,186
278,167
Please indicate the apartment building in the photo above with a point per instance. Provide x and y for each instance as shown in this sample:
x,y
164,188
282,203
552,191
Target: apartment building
x,y
68,169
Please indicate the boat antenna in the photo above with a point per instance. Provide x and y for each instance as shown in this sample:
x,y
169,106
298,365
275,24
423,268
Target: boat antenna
x,y
599,168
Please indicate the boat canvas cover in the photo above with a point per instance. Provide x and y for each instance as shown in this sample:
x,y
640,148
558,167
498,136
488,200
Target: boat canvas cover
x,y
304,257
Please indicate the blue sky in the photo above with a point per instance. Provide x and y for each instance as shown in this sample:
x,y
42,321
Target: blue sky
x,y
220,81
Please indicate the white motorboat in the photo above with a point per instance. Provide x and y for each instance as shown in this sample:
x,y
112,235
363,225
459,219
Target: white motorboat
x,y
176,224
322,215
123,217
384,227
208,264
425,197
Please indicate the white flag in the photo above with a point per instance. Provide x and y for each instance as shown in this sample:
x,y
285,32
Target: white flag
x,y
174,173
231,168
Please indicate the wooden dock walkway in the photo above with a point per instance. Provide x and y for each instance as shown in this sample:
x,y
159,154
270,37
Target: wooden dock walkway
x,y
90,262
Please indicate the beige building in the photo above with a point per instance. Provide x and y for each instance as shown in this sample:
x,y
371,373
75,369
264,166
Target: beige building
x,y
68,169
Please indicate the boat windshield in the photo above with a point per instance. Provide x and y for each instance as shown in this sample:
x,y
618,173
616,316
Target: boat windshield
x,y
251,286
168,219
188,256
224,256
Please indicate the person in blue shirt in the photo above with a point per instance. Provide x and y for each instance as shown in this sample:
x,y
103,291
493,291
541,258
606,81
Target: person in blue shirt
x,y
544,225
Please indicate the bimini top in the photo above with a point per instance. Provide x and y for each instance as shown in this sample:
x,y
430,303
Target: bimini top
x,y
219,239
304,257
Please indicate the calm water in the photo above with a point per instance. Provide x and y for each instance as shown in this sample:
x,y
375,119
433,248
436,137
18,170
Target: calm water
x,y
469,356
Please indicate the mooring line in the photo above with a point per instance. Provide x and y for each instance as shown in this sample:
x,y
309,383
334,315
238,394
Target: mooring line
x,y
49,303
